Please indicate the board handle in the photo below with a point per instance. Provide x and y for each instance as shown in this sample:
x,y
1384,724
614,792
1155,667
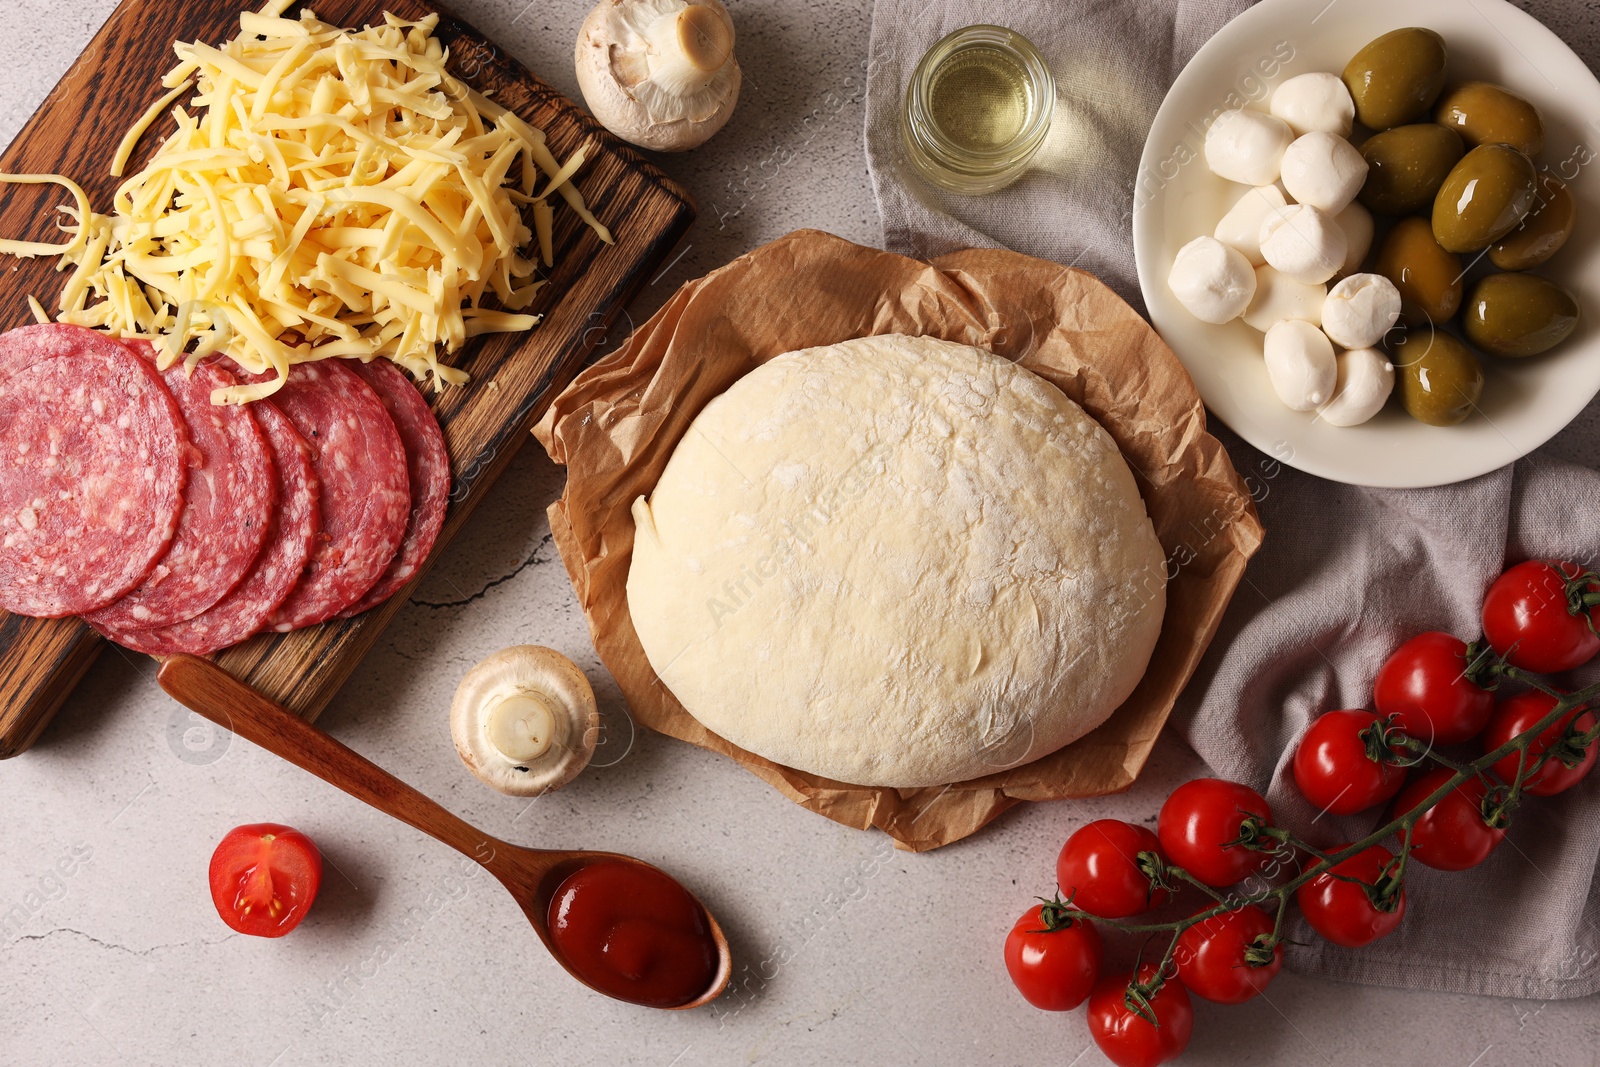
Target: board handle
x,y
41,662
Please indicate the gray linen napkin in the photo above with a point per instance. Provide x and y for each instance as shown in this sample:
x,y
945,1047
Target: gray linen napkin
x,y
1346,573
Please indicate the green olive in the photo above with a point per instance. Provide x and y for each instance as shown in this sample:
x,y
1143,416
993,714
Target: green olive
x,y
1428,277
1491,114
1518,315
1440,380
1486,196
1396,78
1543,232
1406,166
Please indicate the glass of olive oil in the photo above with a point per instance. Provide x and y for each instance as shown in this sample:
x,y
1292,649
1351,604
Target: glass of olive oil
x,y
977,109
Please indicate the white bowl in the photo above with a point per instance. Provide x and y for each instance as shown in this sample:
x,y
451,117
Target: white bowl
x,y
1524,403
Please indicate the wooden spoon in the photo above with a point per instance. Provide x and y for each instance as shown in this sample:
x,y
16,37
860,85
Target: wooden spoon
x,y
531,875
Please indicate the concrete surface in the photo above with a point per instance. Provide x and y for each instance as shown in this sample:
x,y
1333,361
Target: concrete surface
x,y
410,958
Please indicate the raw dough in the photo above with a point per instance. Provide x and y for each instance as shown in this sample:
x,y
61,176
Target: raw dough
x,y
896,561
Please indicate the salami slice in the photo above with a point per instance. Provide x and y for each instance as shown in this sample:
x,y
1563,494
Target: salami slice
x,y
93,461
227,505
364,493
427,471
292,533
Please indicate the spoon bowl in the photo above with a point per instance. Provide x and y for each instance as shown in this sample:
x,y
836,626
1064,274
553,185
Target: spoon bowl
x,y
532,876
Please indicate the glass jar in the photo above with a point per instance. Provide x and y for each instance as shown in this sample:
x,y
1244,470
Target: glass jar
x,y
977,109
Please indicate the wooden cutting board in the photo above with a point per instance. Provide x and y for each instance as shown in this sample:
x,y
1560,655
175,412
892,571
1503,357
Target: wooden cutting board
x,y
76,130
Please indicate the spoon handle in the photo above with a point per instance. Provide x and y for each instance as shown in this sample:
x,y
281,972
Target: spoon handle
x,y
212,692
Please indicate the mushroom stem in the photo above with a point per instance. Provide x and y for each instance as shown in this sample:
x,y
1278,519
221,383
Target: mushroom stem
x,y
687,47
521,726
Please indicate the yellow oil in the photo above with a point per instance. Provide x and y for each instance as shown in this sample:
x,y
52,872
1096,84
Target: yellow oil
x,y
979,97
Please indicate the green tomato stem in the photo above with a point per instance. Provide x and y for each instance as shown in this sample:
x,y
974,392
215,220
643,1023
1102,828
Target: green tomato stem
x,y
1404,825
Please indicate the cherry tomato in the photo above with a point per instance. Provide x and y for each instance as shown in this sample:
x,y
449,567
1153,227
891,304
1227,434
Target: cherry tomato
x,y
1098,869
1541,616
1353,915
1521,713
1218,957
1452,835
1334,770
1127,1038
264,877
1199,820
1424,685
1054,958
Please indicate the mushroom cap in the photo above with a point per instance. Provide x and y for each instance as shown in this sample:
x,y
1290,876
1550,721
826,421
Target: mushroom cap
x,y
529,684
612,61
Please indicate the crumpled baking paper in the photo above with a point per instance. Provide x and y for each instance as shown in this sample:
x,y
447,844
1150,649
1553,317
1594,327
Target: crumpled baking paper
x,y
618,422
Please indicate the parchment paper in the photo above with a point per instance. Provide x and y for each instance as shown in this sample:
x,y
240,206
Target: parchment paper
x,y
616,425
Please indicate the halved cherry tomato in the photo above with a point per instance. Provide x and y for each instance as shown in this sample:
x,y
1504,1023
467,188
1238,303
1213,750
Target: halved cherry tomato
x,y
1334,768
1053,957
1452,835
1349,914
1521,713
1225,958
1198,822
1542,616
1098,869
1425,686
264,877
1126,1037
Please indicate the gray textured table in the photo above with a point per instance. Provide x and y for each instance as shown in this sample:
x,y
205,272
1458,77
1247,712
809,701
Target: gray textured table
x,y
851,953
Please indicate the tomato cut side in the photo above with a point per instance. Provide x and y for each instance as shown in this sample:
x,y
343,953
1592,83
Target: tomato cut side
x,y
264,877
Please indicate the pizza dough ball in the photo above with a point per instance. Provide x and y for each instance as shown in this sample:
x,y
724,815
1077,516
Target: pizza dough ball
x,y
1360,310
1300,364
1279,297
896,561
1241,227
1213,281
1356,222
1303,242
1323,170
1365,380
1315,103
1247,146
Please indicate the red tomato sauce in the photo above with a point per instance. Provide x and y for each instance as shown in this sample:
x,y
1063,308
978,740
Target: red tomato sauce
x,y
633,933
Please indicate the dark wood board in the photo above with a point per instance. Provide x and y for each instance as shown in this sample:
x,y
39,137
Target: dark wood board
x,y
76,130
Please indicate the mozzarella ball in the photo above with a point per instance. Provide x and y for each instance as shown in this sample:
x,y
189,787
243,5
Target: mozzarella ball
x,y
1365,380
1303,242
1356,222
1279,297
1241,227
1360,310
1213,281
1315,103
1301,365
1324,171
1247,146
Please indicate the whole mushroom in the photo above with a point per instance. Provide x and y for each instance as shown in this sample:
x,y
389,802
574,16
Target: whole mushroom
x,y
525,721
659,73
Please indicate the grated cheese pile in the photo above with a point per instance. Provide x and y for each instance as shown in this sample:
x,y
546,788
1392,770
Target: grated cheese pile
x,y
333,193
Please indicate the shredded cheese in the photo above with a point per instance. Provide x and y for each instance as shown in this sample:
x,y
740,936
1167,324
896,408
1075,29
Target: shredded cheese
x,y
331,194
